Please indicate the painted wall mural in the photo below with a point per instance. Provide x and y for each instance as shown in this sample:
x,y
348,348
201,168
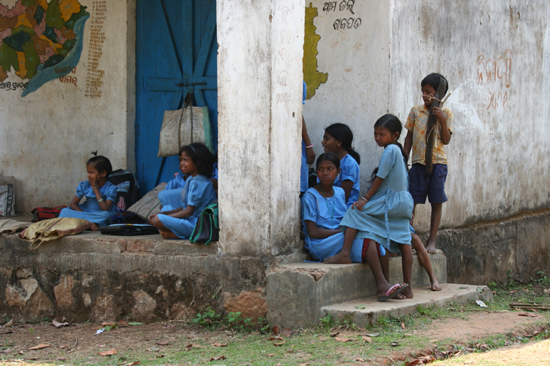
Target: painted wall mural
x,y
313,77
40,41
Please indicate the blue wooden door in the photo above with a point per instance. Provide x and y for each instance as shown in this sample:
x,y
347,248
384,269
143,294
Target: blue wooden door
x,y
175,57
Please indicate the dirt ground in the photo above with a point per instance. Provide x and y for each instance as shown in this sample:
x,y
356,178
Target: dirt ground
x,y
80,341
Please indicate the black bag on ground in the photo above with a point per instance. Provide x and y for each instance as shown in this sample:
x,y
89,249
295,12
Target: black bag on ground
x,y
207,228
129,229
127,188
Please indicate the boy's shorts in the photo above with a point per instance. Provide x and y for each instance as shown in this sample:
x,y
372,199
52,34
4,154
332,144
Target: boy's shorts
x,y
432,185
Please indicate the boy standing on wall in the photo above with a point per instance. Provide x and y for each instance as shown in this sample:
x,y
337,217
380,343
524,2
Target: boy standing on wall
x,y
429,162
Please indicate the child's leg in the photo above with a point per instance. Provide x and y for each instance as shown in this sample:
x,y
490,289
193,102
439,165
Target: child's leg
x,y
385,264
344,256
437,209
373,259
164,232
407,263
424,260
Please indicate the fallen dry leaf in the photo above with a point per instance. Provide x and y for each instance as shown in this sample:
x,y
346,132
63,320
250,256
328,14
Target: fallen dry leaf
x,y
40,346
531,315
58,324
218,358
275,330
343,340
367,339
110,352
358,359
108,324
122,323
163,343
189,347
278,344
270,354
334,334
287,332
403,325
218,344
9,324
133,363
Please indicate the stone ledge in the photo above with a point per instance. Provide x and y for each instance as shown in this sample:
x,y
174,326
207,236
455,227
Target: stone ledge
x,y
372,310
296,292
95,242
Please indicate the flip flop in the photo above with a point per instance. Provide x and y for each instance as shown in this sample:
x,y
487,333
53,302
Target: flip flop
x,y
389,294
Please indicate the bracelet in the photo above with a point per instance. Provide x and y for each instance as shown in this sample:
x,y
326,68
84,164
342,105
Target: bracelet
x,y
309,147
363,198
366,199
100,200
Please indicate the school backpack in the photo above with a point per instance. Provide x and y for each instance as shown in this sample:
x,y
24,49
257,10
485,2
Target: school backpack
x,y
44,213
207,228
127,188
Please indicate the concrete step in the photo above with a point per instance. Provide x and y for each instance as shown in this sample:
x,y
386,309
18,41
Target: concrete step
x,y
366,311
296,292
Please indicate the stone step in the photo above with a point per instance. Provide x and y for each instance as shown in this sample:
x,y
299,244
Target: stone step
x,y
366,311
296,292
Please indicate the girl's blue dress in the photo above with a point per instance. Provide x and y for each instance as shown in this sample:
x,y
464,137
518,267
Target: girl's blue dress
x,y
171,194
199,193
386,216
90,208
327,213
349,170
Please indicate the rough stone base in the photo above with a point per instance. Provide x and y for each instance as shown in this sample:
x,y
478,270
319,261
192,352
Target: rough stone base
x,y
492,252
94,277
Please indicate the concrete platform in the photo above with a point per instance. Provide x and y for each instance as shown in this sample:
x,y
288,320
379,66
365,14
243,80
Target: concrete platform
x,y
368,310
297,292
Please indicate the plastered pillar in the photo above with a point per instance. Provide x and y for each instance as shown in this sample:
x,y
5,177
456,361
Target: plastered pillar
x,y
259,102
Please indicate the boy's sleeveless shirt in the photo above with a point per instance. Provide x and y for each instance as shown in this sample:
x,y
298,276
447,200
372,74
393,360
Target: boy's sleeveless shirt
x,y
417,123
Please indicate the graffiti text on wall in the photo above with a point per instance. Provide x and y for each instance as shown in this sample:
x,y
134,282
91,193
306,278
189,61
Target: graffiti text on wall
x,y
65,78
94,77
496,74
343,6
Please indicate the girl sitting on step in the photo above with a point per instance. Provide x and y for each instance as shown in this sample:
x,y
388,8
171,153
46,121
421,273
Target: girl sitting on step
x,y
383,214
178,222
99,192
323,207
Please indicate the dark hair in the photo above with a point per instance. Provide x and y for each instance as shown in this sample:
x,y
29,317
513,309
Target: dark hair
x,y
101,164
201,157
342,133
328,156
392,124
433,81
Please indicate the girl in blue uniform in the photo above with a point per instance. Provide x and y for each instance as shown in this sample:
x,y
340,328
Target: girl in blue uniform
x,y
179,222
383,214
337,139
323,207
99,192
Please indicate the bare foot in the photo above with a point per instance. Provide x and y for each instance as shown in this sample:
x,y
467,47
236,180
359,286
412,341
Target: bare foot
x,y
436,286
94,227
400,297
168,235
338,259
430,248
408,293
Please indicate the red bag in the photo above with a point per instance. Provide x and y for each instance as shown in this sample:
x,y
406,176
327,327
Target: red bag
x,y
43,213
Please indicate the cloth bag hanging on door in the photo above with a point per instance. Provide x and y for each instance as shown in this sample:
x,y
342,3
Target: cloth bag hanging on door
x,y
183,127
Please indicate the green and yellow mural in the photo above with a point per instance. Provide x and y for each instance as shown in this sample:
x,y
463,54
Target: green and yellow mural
x,y
313,77
40,41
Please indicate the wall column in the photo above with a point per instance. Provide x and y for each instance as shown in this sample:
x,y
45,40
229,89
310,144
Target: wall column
x,y
259,125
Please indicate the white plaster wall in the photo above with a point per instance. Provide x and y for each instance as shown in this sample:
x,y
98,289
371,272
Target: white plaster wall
x,y
499,153
259,101
47,136
358,67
